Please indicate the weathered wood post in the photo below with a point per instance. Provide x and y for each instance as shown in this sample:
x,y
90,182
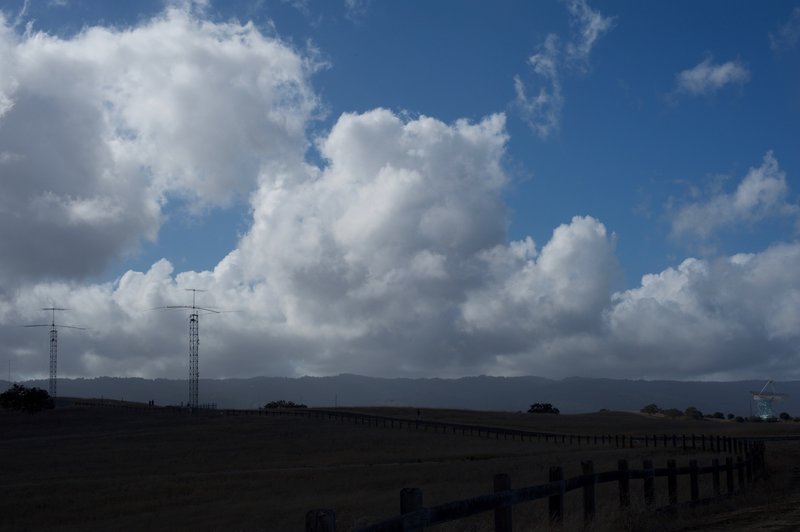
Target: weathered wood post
x,y
703,441
729,474
556,501
748,460
411,501
672,481
674,441
684,442
502,514
589,482
647,441
694,442
694,480
740,467
624,484
649,483
321,521
715,476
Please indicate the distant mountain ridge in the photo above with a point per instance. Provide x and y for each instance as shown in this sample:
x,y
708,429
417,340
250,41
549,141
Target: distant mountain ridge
x,y
570,395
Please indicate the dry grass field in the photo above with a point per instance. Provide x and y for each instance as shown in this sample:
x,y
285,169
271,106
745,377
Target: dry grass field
x,y
112,469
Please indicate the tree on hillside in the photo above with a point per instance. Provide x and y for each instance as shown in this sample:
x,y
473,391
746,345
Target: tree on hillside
x,y
692,412
28,399
543,408
651,409
281,403
785,416
672,412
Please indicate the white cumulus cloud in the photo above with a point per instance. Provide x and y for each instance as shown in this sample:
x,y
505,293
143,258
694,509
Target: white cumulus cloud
x,y
390,257
99,130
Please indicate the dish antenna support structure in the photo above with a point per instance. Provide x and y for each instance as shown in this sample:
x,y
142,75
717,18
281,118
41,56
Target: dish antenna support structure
x,y
53,382
194,343
765,399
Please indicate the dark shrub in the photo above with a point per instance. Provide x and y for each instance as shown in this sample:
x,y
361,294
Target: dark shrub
x,y
28,399
542,408
284,404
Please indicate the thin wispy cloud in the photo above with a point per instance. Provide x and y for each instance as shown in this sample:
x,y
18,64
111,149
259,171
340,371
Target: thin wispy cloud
x,y
708,77
588,26
541,106
356,10
542,110
787,36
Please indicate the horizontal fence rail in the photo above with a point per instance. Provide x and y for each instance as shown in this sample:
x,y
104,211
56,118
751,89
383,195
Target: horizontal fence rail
x,y
414,516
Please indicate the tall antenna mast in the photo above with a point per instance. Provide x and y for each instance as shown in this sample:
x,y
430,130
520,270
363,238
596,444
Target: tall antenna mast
x,y
194,344
53,382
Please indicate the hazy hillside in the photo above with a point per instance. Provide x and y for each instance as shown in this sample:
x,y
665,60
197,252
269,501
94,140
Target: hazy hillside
x,y
481,393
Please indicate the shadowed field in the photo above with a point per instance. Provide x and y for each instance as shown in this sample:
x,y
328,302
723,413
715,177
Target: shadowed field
x,y
102,469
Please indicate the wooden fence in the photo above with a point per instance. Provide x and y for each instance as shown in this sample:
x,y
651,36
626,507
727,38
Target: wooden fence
x,y
696,442
414,516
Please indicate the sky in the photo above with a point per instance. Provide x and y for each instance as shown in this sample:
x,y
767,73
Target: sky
x,y
402,189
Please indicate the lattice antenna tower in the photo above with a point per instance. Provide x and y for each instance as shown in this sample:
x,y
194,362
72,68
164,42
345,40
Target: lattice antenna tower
x,y
194,343
53,382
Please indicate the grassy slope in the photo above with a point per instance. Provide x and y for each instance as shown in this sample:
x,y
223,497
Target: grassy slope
x,y
101,469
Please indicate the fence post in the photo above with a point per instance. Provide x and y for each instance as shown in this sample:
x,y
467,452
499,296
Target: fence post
x,y
694,480
729,474
674,441
672,481
740,467
649,483
703,441
411,501
624,484
694,442
502,514
556,502
715,473
684,442
748,461
321,521
589,482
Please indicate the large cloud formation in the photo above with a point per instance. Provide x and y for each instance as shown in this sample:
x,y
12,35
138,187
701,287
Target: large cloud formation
x,y
391,258
98,130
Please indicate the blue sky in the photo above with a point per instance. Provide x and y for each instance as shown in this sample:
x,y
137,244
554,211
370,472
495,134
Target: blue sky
x,y
669,129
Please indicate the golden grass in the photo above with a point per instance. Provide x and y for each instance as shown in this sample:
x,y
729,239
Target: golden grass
x,y
109,469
